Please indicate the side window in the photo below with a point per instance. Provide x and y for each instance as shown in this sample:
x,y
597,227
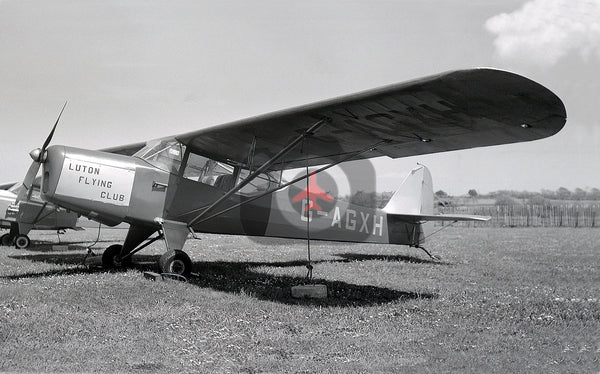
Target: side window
x,y
210,172
197,167
261,183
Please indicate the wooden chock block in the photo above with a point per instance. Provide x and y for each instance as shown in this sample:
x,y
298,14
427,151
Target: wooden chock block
x,y
311,291
153,276
93,261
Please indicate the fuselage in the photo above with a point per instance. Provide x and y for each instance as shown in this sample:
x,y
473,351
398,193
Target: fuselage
x,y
112,188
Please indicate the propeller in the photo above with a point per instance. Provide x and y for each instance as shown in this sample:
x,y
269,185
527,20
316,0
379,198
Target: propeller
x,y
39,157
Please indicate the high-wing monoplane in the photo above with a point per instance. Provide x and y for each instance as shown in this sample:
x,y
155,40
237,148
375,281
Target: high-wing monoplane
x,y
33,214
227,178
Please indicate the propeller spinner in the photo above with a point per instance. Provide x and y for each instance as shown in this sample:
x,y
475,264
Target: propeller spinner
x,y
39,157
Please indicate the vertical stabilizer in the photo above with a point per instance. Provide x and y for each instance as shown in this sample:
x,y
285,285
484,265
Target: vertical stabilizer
x,y
415,195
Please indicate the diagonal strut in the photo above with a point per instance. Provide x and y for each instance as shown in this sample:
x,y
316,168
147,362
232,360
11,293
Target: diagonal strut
x,y
266,165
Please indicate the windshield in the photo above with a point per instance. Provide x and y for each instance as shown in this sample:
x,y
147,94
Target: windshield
x,y
163,154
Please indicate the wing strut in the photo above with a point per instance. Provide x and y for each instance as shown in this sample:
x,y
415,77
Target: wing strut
x,y
347,158
265,166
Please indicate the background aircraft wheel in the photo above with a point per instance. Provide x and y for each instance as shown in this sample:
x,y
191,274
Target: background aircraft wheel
x,y
6,240
176,262
111,258
22,241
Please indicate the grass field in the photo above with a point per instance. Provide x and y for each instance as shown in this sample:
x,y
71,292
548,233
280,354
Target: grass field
x,y
501,300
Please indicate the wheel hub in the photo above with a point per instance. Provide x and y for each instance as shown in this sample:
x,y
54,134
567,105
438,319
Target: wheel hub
x,y
177,267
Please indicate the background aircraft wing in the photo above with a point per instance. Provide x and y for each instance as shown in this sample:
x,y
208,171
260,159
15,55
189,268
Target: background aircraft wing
x,y
450,111
6,186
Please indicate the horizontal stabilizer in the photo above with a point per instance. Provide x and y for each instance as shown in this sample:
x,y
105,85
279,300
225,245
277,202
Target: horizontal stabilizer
x,y
439,217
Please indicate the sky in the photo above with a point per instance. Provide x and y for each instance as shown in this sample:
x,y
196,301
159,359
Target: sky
x,y
138,70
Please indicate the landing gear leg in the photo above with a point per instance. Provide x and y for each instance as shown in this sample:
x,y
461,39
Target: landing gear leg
x,y
175,261
9,239
118,256
433,257
111,258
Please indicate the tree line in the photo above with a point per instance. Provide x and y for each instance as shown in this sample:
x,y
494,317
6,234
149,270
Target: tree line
x,y
501,197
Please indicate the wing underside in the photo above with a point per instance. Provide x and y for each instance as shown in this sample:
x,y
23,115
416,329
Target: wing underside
x,y
450,111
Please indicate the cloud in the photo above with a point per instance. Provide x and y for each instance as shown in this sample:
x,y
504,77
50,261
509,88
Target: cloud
x,y
542,32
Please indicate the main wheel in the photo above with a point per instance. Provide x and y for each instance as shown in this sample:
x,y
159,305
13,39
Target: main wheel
x,y
6,239
22,241
176,262
111,258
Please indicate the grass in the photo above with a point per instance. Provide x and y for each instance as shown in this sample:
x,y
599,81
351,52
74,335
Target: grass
x,y
501,300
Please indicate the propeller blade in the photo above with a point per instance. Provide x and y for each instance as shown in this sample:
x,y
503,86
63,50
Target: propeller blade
x,y
49,138
38,158
27,188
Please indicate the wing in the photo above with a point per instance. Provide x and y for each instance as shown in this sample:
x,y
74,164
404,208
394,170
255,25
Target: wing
x,y
7,186
127,150
450,111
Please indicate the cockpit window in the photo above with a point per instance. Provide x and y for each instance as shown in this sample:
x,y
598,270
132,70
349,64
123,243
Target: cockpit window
x,y
168,155
163,154
211,172
263,182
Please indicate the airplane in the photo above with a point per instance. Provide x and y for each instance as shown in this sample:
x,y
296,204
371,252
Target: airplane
x,y
33,214
227,178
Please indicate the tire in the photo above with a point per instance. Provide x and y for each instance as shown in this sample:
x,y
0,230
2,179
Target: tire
x,y
175,262
111,258
6,240
22,241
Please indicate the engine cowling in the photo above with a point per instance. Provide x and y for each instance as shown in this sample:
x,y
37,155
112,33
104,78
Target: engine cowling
x,y
102,186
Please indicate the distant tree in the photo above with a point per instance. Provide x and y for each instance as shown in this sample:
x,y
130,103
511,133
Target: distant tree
x,y
472,193
441,193
549,194
366,199
579,194
538,199
594,194
563,194
505,199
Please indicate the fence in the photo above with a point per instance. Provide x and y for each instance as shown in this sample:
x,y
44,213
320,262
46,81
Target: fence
x,y
569,215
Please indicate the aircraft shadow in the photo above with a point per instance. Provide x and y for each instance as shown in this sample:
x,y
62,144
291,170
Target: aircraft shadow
x,y
242,277
48,245
348,257
72,247
51,273
236,277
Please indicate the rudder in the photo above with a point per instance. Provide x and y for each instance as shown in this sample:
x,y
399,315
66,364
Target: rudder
x,y
415,194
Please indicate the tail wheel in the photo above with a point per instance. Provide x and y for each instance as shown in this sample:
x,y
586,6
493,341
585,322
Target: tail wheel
x,y
176,262
111,258
6,239
22,241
